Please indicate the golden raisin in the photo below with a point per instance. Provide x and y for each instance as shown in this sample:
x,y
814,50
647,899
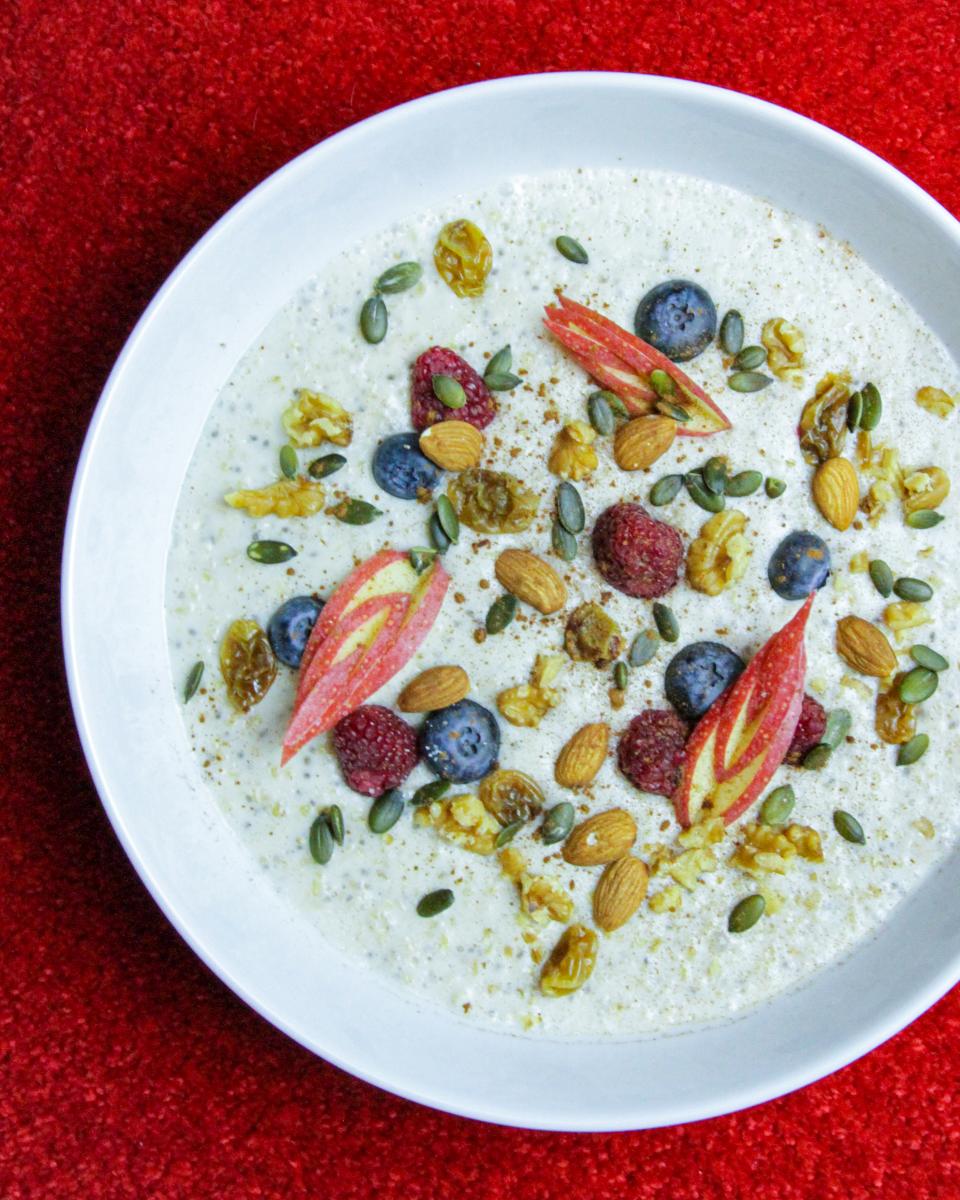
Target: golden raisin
x,y
571,962
493,501
511,796
247,664
592,636
823,422
463,257
895,720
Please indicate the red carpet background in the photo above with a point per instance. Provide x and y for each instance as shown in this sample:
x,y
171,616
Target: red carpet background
x,y
126,1069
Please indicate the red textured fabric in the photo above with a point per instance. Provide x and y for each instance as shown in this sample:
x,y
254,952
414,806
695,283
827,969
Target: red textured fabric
x,y
126,1069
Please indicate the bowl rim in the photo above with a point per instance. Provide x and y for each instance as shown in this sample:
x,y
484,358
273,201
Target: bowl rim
x,y
819,1065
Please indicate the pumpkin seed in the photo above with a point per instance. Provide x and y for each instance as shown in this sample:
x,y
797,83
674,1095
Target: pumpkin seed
x,y
356,512
778,805
194,675
434,903
501,362
881,576
571,249
617,406
373,320
912,589
731,332
430,792
449,521
508,833
715,475
325,465
746,913
385,811
837,727
924,518
667,408
666,489
570,508
749,381
872,407
774,487
320,840
270,552
918,685
924,655
912,750
501,381
848,827
600,414
661,383
666,622
422,557
644,647
500,613
854,410
621,675
399,278
335,820
817,757
288,462
449,391
440,540
749,358
744,483
557,823
701,495
563,542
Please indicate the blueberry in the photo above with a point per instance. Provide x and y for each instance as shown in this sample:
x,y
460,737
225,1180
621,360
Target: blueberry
x,y
402,469
698,675
677,318
290,628
460,743
799,565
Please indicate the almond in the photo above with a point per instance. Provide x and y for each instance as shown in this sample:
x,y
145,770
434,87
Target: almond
x,y
865,647
619,893
434,688
836,491
452,445
601,839
531,579
582,756
642,441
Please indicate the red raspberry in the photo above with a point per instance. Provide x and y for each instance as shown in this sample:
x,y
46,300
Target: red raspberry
x,y
426,409
651,750
809,730
377,750
635,553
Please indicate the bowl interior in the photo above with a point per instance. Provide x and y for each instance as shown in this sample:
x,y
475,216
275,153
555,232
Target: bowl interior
x,y
158,398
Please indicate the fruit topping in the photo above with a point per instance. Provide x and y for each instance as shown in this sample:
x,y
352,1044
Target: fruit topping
x,y
650,751
698,675
493,501
511,796
479,406
290,628
896,720
461,743
678,318
809,731
592,636
635,553
799,565
247,664
401,468
823,422
463,257
376,750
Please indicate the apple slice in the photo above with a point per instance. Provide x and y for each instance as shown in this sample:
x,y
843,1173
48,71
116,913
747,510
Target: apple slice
x,y
744,736
368,629
622,363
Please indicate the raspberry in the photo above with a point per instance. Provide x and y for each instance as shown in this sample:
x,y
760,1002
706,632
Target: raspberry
x,y
635,553
426,409
376,749
809,730
651,751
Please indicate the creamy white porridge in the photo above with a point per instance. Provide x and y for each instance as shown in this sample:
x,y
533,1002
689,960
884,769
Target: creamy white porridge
x,y
480,957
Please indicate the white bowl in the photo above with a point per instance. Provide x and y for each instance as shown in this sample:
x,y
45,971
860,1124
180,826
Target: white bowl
x,y
136,453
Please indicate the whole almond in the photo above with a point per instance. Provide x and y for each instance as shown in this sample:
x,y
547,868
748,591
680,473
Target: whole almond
x,y
836,492
601,839
865,647
582,757
619,893
531,579
452,445
434,688
642,441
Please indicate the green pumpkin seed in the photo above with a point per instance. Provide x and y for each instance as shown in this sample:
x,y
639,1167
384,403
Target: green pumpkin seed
x,y
449,391
749,358
661,383
644,647
881,576
288,462
449,521
501,381
356,512
422,557
666,489
778,806
385,811
912,589
399,278
854,410
501,362
326,465
912,750
621,675
924,518
334,816
434,903
848,827
872,407
570,508
715,475
617,406
270,552
430,792
817,757
194,675
563,542
744,483
439,539
571,249
667,408
666,622
749,381
746,913
699,494
557,823
600,414
837,727
508,833
918,685
500,613
373,320
774,487
926,656
320,840
731,332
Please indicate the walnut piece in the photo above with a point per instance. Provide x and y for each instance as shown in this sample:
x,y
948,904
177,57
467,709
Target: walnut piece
x,y
936,400
541,899
315,417
668,900
895,720
785,346
299,497
462,820
718,555
687,868
573,455
592,636
768,850
528,703
926,487
905,616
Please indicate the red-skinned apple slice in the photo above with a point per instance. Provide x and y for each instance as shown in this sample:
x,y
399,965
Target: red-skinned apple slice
x,y
622,362
368,629
745,734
